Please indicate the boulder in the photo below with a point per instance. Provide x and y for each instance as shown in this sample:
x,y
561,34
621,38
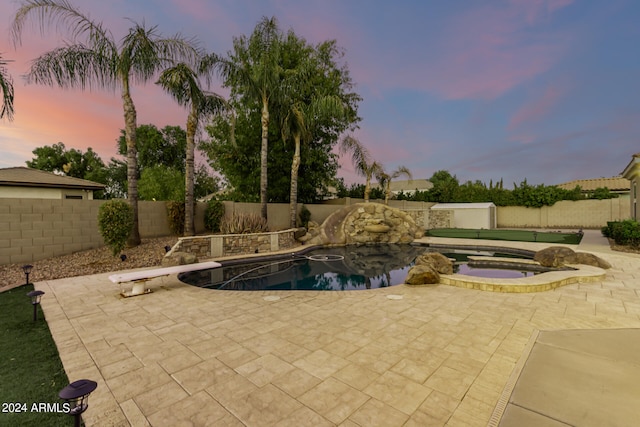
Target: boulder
x,y
593,260
300,232
558,256
422,275
555,256
437,261
173,259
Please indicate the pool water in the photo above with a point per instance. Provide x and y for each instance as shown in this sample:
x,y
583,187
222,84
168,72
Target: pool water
x,y
339,268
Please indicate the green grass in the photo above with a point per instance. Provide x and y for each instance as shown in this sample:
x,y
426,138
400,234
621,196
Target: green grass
x,y
512,235
30,367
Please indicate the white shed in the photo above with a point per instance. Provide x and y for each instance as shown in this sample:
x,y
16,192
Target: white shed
x,y
471,215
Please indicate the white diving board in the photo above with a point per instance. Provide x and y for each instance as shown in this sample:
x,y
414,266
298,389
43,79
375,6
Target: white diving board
x,y
139,277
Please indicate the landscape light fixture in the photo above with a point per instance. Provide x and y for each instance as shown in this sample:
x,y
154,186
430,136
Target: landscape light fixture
x,y
77,394
167,248
27,270
123,257
535,236
35,301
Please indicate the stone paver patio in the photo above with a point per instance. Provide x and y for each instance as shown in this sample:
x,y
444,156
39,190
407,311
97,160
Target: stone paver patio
x,y
437,356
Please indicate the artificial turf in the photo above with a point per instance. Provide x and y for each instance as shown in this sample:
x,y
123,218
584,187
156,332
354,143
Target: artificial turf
x,y
512,235
30,368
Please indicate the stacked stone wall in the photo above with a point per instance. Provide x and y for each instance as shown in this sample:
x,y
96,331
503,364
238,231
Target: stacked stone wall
x,y
220,245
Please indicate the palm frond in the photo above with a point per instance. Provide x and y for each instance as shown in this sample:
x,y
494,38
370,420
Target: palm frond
x,y
6,85
400,171
62,15
74,66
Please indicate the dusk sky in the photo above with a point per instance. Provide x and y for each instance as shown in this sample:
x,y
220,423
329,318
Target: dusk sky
x,y
547,90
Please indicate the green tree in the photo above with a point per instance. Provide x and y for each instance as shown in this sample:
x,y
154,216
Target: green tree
x,y
602,193
166,146
6,85
298,124
162,183
183,83
100,60
254,65
206,183
362,161
75,163
315,72
444,187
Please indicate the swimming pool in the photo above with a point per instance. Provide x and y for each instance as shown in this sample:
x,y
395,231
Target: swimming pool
x,y
341,268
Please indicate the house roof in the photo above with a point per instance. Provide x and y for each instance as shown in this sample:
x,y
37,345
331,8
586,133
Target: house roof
x,y
482,205
616,183
27,177
408,185
632,168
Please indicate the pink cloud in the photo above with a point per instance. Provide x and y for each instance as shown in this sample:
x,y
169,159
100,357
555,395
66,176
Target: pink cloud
x,y
537,109
482,53
487,51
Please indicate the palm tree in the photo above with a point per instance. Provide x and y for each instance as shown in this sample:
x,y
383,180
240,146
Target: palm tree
x,y
255,63
184,85
103,62
385,180
298,123
6,85
362,161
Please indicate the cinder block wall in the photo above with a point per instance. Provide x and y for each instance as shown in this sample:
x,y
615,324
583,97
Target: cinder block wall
x,y
34,229
565,214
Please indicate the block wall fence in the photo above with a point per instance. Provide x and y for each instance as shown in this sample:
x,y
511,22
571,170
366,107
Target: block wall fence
x,y
34,229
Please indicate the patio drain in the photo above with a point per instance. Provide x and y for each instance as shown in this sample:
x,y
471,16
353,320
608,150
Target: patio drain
x,y
271,298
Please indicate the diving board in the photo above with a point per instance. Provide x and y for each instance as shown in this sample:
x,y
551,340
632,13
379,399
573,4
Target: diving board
x,y
141,276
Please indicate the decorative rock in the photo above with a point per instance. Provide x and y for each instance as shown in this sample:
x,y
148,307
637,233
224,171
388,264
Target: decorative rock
x,y
422,275
558,256
555,256
377,228
365,223
593,260
178,258
300,231
437,261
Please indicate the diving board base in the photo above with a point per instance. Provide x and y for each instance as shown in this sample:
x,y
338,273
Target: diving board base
x,y
135,292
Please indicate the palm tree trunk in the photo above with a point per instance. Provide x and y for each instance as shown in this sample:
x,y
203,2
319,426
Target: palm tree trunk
x,y
367,189
130,124
192,124
293,198
263,157
387,192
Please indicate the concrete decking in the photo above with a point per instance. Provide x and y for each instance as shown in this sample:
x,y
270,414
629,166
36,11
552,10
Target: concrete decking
x,y
398,356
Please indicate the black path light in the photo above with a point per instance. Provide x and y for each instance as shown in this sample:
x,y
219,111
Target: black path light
x,y
77,394
35,301
27,270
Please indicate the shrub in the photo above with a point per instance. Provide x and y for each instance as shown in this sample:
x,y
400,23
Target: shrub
x,y
175,215
115,221
305,216
242,223
625,232
213,215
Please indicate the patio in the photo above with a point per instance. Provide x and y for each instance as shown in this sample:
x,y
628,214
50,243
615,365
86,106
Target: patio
x,y
398,356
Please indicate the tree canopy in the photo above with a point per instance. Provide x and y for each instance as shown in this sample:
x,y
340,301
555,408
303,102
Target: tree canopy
x,y
238,160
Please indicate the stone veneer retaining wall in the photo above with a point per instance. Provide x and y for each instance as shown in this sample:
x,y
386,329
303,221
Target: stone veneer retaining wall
x,y
220,245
